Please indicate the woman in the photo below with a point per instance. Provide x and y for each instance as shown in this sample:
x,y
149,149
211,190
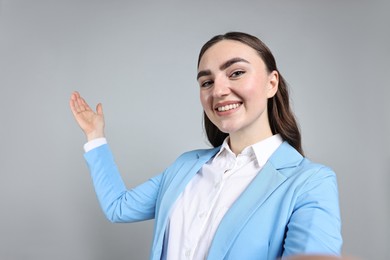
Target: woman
x,y
254,195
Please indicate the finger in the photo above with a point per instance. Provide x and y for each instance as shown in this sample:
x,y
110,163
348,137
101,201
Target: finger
x,y
75,94
99,109
77,104
84,105
73,102
80,104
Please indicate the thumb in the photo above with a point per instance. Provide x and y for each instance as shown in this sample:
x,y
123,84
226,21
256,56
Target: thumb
x,y
99,109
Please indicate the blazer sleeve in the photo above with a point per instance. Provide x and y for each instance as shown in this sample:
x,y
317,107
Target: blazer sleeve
x,y
315,225
118,203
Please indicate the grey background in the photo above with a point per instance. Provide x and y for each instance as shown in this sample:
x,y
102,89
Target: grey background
x,y
139,60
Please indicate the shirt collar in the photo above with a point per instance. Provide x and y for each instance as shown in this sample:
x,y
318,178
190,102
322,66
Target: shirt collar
x,y
225,148
262,150
265,148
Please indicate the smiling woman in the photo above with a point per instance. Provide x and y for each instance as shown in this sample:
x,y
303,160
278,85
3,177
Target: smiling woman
x,y
235,91
281,119
254,195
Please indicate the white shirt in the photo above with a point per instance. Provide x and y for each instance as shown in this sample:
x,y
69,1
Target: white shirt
x,y
209,195
200,208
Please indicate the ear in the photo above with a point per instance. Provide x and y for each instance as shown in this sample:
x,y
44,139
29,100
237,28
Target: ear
x,y
273,83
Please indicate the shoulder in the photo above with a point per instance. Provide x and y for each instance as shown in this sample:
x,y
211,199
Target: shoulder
x,y
289,162
311,175
315,168
311,180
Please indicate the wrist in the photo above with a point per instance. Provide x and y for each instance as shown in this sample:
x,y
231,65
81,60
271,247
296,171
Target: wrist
x,y
94,144
95,135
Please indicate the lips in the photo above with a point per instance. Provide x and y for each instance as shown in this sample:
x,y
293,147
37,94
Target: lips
x,y
227,106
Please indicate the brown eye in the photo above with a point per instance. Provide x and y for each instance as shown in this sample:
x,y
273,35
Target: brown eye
x,y
206,84
237,73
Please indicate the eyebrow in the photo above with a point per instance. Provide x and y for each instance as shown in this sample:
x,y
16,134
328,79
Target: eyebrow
x,y
224,66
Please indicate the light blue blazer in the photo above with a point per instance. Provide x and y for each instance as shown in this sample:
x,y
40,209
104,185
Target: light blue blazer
x,y
291,207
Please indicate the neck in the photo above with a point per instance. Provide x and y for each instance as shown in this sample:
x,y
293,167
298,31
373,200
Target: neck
x,y
239,142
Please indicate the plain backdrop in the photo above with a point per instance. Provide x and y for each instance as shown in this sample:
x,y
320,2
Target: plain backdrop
x,y
139,59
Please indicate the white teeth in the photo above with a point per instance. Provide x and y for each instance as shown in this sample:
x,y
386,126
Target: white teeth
x,y
228,107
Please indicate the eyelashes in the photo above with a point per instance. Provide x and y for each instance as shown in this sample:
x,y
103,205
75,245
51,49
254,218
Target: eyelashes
x,y
234,75
237,73
206,84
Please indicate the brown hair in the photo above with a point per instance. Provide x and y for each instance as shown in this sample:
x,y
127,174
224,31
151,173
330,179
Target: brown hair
x,y
281,118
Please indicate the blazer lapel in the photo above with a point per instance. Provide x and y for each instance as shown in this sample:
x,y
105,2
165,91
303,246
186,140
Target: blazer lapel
x,y
173,191
268,179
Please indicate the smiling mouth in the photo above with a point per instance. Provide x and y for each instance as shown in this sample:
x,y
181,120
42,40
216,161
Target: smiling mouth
x,y
228,107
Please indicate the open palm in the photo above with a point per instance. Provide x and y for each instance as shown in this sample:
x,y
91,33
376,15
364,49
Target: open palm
x,y
91,122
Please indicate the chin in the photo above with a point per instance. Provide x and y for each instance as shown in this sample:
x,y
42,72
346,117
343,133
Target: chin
x,y
227,129
227,126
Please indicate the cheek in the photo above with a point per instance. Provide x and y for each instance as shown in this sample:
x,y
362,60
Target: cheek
x,y
256,92
204,100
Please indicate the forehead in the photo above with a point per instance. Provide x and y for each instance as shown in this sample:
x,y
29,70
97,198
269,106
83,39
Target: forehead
x,y
225,50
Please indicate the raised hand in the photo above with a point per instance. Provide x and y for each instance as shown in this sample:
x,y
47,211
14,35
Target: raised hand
x,y
91,122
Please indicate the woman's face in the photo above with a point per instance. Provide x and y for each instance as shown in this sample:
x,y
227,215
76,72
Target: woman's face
x,y
234,88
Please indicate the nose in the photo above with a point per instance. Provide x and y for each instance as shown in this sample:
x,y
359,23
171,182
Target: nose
x,y
221,87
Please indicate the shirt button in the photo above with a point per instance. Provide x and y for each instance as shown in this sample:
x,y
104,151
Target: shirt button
x,y
188,253
217,185
201,215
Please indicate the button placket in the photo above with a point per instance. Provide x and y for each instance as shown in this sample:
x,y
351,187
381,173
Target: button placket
x,y
187,253
202,215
